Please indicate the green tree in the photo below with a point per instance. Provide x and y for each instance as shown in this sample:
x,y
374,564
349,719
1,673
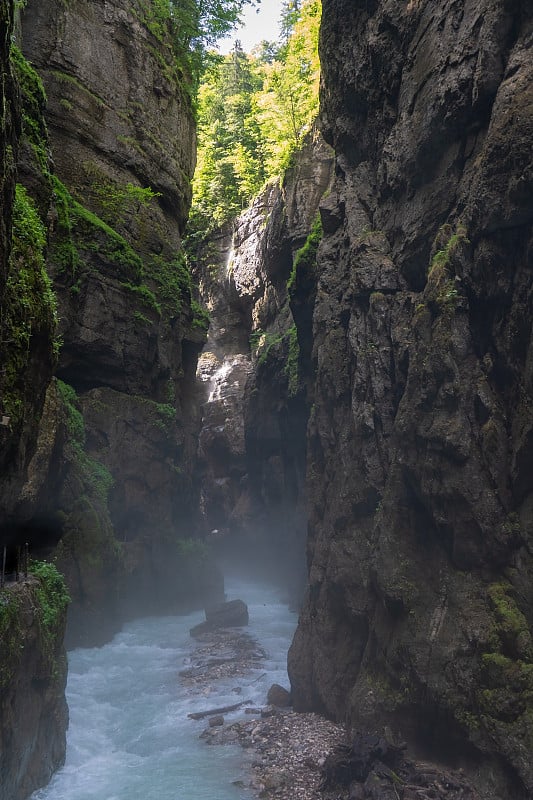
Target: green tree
x,y
288,103
199,24
254,111
230,166
290,14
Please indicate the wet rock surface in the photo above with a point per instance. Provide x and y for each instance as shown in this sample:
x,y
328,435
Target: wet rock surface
x,y
303,756
419,479
252,443
117,485
219,654
231,614
33,709
306,757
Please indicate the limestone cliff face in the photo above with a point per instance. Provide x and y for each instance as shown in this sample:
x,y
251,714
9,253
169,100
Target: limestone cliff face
x,y
33,671
113,471
420,605
252,444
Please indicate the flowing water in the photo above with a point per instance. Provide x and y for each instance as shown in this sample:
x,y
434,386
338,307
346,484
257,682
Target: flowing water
x,y
129,736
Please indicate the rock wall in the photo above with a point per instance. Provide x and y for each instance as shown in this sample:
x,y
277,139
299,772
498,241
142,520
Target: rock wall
x,y
27,308
256,400
419,611
33,672
112,476
9,139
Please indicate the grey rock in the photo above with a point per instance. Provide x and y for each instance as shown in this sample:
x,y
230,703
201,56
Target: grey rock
x,y
232,614
278,696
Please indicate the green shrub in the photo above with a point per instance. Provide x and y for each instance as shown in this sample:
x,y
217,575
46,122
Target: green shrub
x,y
53,594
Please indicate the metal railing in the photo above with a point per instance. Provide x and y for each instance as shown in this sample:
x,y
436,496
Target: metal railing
x,y
21,564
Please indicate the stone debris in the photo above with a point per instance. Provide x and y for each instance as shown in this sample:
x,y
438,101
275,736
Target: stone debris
x,y
231,614
306,757
294,756
288,751
222,654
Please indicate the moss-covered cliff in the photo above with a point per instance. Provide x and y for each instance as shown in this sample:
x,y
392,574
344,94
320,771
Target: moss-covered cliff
x,y
107,154
33,673
420,605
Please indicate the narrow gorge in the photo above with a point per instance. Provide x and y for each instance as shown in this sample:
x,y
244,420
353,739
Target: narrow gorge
x,y
332,390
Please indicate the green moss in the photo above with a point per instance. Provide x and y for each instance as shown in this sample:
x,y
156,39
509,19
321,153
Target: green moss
x,y
200,318
63,250
155,14
165,416
500,671
467,719
117,202
304,264
170,392
192,549
144,294
291,368
504,690
93,473
10,634
97,475
256,340
511,625
262,343
141,319
162,284
79,229
390,696
454,240
130,142
172,279
66,79
33,105
101,238
75,424
30,302
162,415
442,291
48,602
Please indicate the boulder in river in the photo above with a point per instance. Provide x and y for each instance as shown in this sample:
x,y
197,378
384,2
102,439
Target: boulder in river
x,y
278,696
232,614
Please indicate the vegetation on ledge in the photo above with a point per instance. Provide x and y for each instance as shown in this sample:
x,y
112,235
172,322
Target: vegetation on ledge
x,y
30,304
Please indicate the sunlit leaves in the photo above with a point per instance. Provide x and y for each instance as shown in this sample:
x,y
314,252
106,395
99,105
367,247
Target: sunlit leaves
x,y
254,111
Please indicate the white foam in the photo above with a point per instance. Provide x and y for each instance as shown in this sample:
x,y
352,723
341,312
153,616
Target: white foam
x,y
129,735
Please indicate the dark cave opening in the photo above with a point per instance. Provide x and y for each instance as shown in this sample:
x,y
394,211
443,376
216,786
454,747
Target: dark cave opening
x,y
37,537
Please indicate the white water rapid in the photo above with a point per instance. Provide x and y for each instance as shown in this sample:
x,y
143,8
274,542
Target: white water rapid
x,y
129,736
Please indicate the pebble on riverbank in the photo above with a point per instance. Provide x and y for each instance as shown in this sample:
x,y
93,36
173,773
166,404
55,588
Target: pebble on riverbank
x,y
294,756
287,750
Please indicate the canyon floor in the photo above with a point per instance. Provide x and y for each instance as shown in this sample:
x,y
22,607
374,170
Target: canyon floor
x,y
295,756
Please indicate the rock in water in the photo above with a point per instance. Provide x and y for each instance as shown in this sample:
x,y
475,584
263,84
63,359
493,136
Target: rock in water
x,y
233,614
278,696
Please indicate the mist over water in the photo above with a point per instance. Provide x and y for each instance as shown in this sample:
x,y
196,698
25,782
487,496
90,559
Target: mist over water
x,y
129,736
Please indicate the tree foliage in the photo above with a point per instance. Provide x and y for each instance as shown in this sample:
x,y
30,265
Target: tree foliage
x,y
254,110
195,27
